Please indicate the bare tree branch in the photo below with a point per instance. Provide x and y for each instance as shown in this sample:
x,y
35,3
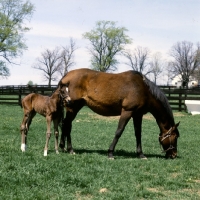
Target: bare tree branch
x,y
157,66
138,59
186,60
49,63
67,55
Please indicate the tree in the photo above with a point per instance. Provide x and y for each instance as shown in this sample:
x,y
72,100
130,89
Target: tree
x,y
30,82
186,59
67,57
49,63
4,71
138,59
157,66
107,41
13,15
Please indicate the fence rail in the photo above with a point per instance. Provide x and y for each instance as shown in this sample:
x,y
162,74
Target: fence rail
x,y
13,94
177,97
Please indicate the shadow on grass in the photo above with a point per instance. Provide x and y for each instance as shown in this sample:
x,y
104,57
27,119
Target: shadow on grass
x,y
118,154
122,154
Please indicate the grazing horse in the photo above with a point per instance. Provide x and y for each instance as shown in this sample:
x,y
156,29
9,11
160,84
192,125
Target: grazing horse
x,y
128,94
49,107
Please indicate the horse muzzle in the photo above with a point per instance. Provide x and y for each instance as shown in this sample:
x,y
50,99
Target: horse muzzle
x,y
172,153
67,101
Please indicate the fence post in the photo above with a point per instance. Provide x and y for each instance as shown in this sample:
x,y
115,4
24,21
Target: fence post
x,y
186,92
20,97
180,101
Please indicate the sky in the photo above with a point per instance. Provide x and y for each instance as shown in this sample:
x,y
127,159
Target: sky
x,y
155,24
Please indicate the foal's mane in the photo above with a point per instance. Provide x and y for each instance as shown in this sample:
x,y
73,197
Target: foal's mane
x,y
158,94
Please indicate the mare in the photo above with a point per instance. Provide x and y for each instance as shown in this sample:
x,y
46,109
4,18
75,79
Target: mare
x,y
128,94
49,107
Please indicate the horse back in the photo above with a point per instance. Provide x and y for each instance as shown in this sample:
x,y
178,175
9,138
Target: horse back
x,y
34,101
107,93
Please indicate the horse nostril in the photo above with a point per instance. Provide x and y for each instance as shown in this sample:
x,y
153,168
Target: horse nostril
x,y
68,102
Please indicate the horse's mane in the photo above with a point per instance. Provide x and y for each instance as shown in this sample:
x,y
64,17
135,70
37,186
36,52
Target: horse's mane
x,y
158,94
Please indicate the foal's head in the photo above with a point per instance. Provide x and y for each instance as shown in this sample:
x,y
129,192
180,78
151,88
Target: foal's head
x,y
64,94
168,141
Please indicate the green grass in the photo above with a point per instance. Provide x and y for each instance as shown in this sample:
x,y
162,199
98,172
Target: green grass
x,y
89,174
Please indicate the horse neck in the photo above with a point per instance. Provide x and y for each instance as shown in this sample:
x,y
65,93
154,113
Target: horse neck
x,y
163,116
55,97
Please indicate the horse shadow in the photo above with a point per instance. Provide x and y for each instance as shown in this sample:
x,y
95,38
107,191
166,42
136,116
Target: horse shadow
x,y
118,154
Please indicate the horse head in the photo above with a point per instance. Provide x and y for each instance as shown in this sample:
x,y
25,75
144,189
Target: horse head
x,y
168,141
64,94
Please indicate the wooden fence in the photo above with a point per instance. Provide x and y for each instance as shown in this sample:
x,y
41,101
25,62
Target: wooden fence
x,y
14,94
177,97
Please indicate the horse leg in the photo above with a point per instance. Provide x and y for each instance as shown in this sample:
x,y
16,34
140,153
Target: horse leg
x,y
124,118
56,133
67,126
24,132
24,129
28,116
32,115
137,120
66,132
48,134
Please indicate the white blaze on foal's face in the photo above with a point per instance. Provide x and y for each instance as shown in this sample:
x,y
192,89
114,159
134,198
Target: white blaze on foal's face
x,y
68,99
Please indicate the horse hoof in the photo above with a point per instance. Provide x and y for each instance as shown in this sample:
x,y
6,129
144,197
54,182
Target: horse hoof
x,y
144,158
72,153
63,150
23,147
111,158
141,156
45,152
57,152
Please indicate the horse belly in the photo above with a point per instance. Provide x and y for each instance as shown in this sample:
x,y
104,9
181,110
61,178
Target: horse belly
x,y
107,108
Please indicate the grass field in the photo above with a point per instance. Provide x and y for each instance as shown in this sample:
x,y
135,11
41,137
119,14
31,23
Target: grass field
x,y
89,174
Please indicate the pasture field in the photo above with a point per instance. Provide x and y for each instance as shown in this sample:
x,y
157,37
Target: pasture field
x,y
89,174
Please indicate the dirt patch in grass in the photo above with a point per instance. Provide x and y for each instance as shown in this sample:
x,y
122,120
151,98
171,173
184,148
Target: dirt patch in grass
x,y
83,197
96,116
174,175
154,190
103,190
147,116
116,118
180,114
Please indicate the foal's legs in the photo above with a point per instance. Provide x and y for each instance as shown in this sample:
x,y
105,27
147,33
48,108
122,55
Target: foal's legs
x,y
137,120
48,133
124,118
28,116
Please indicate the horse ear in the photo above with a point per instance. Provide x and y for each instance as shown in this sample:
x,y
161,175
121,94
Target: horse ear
x,y
177,124
59,87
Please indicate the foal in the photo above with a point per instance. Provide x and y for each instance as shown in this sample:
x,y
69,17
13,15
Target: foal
x,y
49,107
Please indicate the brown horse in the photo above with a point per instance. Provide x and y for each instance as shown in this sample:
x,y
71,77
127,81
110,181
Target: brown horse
x,y
129,94
49,107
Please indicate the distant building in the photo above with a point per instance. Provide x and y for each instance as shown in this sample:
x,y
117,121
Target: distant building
x,y
176,81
